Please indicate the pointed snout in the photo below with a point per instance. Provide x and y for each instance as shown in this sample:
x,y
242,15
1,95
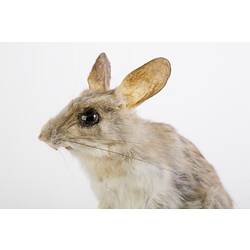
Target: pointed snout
x,y
48,135
43,136
48,131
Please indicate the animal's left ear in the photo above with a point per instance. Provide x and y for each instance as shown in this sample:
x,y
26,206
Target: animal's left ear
x,y
99,77
144,82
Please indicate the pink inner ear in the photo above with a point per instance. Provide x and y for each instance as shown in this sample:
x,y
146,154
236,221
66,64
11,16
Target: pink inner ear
x,y
144,82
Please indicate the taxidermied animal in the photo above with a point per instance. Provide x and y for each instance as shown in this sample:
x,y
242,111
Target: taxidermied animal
x,y
131,162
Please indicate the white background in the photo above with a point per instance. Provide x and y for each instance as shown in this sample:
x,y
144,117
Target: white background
x,y
206,99
160,20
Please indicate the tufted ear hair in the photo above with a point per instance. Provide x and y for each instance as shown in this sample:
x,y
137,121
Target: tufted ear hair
x,y
99,77
144,82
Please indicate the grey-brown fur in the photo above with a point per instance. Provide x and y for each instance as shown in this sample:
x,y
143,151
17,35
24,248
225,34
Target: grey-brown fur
x,y
133,163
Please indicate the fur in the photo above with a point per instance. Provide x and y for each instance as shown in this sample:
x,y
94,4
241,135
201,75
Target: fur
x,y
133,163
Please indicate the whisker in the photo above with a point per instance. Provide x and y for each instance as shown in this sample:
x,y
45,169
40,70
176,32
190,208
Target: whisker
x,y
111,151
106,150
112,140
98,139
64,160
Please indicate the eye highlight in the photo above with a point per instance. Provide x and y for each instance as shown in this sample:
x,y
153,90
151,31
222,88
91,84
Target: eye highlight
x,y
88,117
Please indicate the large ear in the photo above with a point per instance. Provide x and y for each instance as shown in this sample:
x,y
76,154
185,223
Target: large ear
x,y
99,77
144,82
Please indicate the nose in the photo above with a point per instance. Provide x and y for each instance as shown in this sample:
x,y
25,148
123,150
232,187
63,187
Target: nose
x,y
44,136
46,132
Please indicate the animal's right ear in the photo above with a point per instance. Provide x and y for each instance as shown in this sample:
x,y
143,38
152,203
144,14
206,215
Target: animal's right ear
x,y
144,82
99,77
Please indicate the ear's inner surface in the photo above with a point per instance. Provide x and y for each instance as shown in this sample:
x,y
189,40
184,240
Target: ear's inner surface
x,y
99,77
144,82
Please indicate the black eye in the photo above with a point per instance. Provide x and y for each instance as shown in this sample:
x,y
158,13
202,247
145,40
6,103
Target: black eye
x,y
88,118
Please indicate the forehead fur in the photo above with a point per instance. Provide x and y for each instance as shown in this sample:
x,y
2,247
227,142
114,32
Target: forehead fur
x,y
106,101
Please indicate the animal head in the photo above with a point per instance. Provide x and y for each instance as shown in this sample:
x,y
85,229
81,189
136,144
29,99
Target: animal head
x,y
102,118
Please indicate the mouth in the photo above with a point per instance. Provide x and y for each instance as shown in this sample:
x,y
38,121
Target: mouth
x,y
56,144
63,144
